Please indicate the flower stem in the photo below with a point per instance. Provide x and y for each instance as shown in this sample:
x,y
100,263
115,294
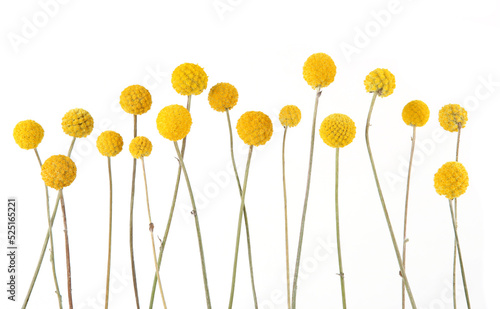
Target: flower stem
x,y
286,223
131,222
66,240
341,270
456,224
109,235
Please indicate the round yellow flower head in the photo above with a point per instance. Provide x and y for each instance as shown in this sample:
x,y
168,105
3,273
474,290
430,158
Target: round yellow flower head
x,y
109,143
337,130
381,81
189,78
451,180
319,70
451,115
290,116
135,100
416,113
255,128
77,123
140,147
223,96
28,134
174,122
58,171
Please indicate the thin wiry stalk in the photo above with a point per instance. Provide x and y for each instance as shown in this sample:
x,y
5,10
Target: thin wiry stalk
x,y
66,240
109,234
454,284
131,223
337,221
286,223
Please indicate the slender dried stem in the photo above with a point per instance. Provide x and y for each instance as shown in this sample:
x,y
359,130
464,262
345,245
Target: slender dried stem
x,y
109,234
337,221
131,223
454,284
66,240
286,224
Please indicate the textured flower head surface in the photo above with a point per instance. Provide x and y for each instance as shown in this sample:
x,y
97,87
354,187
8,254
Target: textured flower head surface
x,y
451,180
254,128
58,171
28,134
109,143
140,147
451,115
416,113
319,70
189,79
223,96
174,122
290,116
337,130
77,123
135,100
380,81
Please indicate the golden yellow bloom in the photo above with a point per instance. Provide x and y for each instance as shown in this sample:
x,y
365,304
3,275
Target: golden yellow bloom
x,y
255,128
416,113
451,180
223,96
337,130
28,134
381,81
319,70
109,143
189,78
77,123
58,171
174,122
140,147
135,100
451,115
290,116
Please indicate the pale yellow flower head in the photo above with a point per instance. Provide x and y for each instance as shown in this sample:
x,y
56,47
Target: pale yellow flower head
x,y
337,130
416,113
135,100
451,180
77,123
140,147
189,79
109,143
28,134
58,171
380,81
451,115
223,96
319,70
174,122
290,116
254,128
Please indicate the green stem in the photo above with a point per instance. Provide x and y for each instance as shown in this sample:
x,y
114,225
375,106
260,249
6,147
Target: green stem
x,y
341,270
456,223
66,240
286,223
109,234
131,223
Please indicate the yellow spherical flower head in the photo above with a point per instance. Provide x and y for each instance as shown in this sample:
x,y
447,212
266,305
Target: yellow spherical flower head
x,y
140,147
135,100
174,122
290,116
189,79
255,128
416,113
28,134
380,81
451,180
58,171
109,143
319,70
223,96
337,130
451,115
77,123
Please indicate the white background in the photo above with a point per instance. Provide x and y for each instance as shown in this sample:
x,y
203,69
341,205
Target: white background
x,y
84,53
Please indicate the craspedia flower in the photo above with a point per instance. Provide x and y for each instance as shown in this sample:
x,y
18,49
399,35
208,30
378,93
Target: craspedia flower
x,y
174,122
189,79
140,147
58,171
290,116
109,143
77,123
451,180
319,70
254,128
381,81
451,115
135,100
28,134
337,130
416,113
223,96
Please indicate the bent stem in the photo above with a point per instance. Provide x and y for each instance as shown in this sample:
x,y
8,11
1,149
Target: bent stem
x,y
131,222
66,240
109,235
341,270
456,224
286,223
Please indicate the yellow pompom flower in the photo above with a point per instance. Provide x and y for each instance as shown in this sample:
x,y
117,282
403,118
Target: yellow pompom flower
x,y
290,116
174,122
135,100
254,128
337,130
28,134
140,147
416,113
451,115
189,79
223,96
381,81
58,171
109,143
319,70
77,123
451,180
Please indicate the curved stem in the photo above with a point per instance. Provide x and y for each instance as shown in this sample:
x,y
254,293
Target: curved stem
x,y
286,223
454,284
66,240
341,270
109,235
131,223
